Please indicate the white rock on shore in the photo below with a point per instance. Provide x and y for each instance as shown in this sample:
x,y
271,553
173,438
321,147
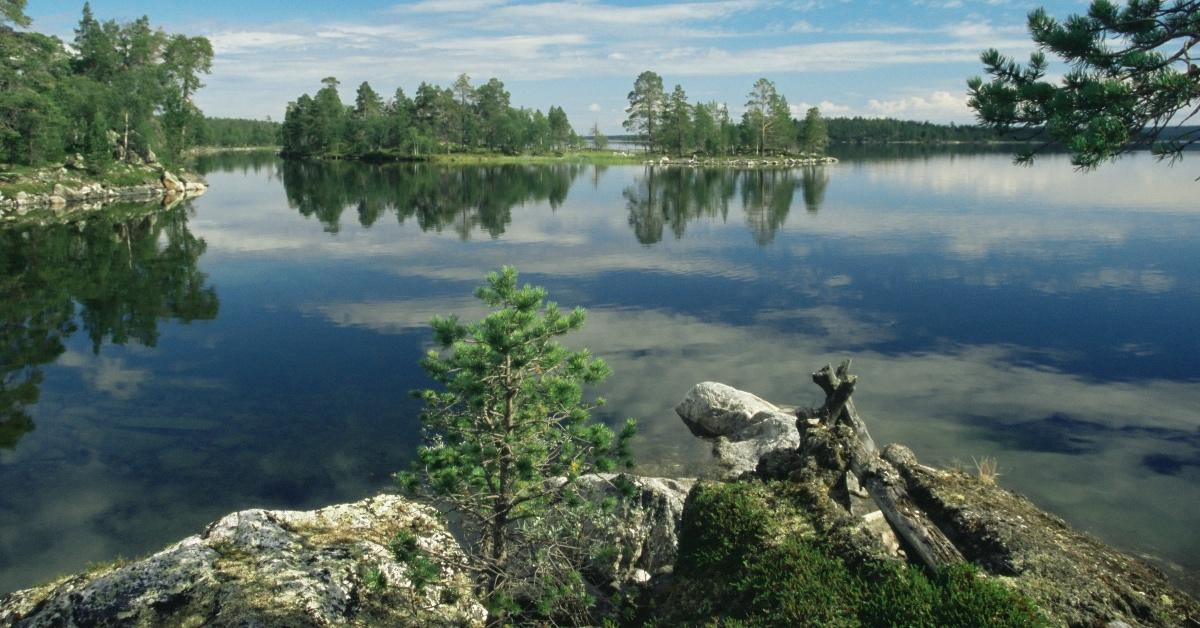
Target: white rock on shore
x,y
742,427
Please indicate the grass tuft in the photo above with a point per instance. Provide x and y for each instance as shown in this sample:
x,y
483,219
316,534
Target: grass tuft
x,y
987,470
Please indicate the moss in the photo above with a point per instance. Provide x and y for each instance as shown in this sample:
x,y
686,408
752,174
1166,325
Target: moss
x,y
748,557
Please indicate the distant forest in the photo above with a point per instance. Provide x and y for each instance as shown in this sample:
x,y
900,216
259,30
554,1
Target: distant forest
x,y
237,132
859,130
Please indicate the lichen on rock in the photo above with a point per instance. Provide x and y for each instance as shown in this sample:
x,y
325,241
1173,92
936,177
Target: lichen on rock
x,y
268,568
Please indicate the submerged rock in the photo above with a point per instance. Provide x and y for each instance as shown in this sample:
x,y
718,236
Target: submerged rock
x,y
267,568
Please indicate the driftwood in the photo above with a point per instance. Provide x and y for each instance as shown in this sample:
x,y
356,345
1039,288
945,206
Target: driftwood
x,y
881,480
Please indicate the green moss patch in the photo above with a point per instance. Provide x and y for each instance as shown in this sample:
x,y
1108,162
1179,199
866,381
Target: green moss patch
x,y
747,557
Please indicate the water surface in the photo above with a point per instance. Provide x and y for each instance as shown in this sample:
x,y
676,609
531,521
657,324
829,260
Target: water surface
x,y
254,347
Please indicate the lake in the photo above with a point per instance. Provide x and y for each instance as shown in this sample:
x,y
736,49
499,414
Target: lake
x,y
255,347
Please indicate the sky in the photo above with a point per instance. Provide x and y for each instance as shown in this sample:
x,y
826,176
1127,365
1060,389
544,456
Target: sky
x,y
907,60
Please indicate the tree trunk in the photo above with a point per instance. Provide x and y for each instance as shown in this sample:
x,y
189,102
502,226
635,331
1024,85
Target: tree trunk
x,y
881,480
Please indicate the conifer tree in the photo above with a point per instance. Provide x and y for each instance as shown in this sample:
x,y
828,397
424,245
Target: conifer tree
x,y
508,435
646,104
1133,76
814,135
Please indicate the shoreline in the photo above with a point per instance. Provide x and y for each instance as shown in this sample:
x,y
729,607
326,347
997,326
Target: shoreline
x,y
64,190
812,474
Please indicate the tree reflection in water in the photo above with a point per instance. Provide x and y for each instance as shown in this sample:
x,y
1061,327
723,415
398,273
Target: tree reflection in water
x,y
116,273
469,198
673,197
460,198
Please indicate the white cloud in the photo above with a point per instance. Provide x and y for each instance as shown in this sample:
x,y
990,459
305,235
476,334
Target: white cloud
x,y
598,13
595,108
251,41
939,105
828,109
450,6
804,26
514,46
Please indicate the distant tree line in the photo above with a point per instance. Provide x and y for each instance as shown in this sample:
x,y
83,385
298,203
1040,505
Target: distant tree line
x,y
435,119
858,130
236,132
118,92
670,124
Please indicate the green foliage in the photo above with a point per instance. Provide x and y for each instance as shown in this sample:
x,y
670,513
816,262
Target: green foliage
x,y
599,140
1126,84
814,135
234,132
746,557
461,118
120,91
647,102
507,436
375,580
422,571
13,11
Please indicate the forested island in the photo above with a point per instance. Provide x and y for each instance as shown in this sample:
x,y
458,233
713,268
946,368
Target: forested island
x,y
466,119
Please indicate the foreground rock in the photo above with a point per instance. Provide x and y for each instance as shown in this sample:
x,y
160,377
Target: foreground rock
x,y
270,568
334,566
885,505
644,528
742,427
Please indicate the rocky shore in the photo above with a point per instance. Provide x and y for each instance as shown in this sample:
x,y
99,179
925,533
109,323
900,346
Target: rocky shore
x,y
68,189
748,162
333,566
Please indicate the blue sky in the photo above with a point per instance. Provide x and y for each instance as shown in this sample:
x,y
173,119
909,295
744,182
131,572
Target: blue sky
x,y
899,59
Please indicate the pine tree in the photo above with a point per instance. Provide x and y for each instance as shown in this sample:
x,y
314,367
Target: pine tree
x,y
814,136
508,435
646,105
1125,85
677,123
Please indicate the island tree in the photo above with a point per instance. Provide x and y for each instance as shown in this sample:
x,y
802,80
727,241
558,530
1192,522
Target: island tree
x,y
814,136
766,112
1132,78
677,123
646,104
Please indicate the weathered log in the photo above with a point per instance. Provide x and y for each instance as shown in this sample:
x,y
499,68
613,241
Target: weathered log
x,y
881,480
889,491
839,407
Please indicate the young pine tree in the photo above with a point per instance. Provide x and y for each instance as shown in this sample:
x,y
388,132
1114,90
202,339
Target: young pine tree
x,y
506,438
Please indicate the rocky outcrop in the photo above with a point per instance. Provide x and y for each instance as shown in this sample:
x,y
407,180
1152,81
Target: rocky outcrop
x,y
884,505
326,567
1073,577
742,427
335,566
644,528
68,191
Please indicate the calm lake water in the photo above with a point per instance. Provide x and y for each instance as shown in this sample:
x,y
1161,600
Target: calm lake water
x,y
255,347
